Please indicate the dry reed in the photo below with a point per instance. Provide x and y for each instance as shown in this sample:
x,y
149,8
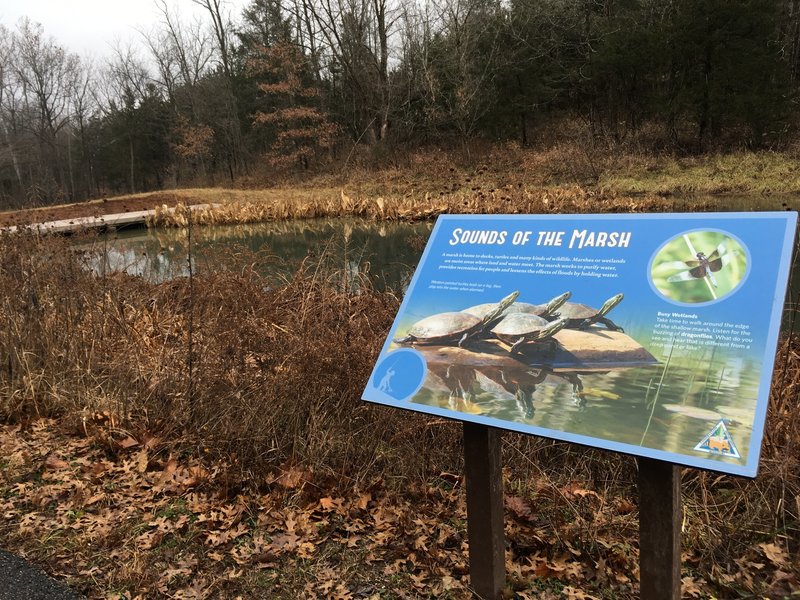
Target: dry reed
x,y
510,199
278,369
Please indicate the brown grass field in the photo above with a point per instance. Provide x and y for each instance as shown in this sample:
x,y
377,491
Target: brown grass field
x,y
419,184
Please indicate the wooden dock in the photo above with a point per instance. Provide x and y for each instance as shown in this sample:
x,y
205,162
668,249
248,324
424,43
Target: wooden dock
x,y
137,218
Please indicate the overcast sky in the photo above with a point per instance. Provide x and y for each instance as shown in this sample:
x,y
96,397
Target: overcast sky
x,y
91,27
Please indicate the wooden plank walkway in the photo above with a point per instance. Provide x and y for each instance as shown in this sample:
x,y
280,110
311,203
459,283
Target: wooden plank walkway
x,y
128,219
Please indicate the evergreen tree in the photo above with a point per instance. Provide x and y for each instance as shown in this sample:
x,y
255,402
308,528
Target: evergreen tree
x,y
726,71
299,131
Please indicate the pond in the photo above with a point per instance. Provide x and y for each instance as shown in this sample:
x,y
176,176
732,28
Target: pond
x,y
386,253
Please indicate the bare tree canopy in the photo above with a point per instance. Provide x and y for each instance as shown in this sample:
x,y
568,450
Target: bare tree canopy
x,y
221,95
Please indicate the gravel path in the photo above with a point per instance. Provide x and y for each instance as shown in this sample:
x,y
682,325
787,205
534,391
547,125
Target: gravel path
x,y
19,580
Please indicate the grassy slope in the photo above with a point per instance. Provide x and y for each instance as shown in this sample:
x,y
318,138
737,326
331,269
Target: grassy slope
x,y
424,179
739,173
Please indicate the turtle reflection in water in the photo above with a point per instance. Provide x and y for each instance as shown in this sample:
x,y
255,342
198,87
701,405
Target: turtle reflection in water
x,y
518,384
458,381
453,327
540,310
522,328
465,386
578,394
582,316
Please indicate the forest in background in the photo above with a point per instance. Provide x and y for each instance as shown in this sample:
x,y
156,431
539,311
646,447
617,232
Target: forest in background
x,y
296,86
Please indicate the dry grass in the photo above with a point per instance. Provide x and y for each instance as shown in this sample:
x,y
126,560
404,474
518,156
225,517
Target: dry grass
x,y
266,369
258,377
402,208
733,173
417,184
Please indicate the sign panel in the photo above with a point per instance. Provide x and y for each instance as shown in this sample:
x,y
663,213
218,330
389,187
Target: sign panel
x,y
652,335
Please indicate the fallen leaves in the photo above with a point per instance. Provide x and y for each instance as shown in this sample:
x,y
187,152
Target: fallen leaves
x,y
154,524
54,463
518,507
292,477
775,554
152,510
127,443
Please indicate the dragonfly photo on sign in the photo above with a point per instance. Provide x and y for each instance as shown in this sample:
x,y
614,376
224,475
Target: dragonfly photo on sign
x,y
700,266
704,266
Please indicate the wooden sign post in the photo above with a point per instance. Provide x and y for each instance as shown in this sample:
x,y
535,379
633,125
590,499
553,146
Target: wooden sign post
x,y
483,472
659,530
659,519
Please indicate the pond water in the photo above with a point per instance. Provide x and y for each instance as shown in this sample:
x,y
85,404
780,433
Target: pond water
x,y
386,253
668,406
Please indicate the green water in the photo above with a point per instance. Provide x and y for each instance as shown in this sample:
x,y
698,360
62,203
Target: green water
x,y
385,253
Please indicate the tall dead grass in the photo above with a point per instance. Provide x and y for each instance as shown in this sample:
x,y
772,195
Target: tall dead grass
x,y
274,379
509,199
277,366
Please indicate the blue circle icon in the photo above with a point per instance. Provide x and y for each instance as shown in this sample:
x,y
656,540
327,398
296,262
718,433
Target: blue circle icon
x,y
400,374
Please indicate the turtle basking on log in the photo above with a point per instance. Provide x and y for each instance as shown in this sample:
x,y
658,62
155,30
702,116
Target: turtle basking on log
x,y
453,327
520,328
582,316
540,310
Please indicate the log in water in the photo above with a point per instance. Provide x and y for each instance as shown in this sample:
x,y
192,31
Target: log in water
x,y
575,349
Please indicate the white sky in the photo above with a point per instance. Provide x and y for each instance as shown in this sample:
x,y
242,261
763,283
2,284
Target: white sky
x,y
91,27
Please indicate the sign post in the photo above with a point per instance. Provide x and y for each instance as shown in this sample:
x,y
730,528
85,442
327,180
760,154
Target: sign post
x,y
483,474
659,530
652,335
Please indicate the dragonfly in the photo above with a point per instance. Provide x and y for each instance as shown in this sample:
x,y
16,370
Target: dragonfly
x,y
704,266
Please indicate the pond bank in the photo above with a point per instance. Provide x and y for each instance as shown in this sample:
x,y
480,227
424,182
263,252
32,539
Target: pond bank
x,y
503,179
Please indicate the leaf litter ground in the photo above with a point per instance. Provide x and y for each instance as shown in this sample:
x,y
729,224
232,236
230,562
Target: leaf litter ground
x,y
129,521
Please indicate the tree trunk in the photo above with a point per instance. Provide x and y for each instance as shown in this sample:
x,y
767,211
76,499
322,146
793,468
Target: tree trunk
x,y
130,147
14,159
383,66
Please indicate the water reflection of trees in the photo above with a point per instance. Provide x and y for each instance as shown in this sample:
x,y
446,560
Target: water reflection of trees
x,y
358,250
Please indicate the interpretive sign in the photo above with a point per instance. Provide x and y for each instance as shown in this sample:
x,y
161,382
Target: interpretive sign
x,y
649,334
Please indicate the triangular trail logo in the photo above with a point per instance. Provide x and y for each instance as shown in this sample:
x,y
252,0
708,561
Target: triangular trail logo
x,y
718,441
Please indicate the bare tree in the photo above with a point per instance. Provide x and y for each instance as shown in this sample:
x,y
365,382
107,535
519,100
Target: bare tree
x,y
46,73
308,35
182,52
227,124
223,28
356,34
8,100
466,60
790,37
84,109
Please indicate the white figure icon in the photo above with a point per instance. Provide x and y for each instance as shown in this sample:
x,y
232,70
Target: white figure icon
x,y
384,384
